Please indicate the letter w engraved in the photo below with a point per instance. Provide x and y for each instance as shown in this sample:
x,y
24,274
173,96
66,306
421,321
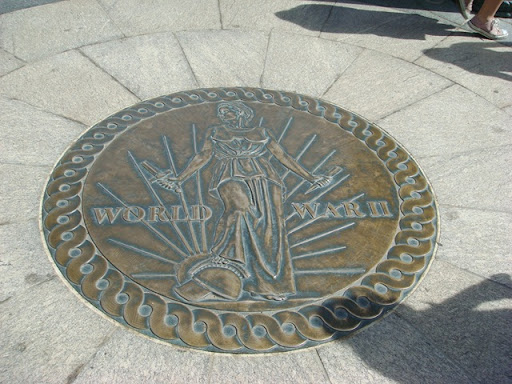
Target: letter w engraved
x,y
107,214
306,208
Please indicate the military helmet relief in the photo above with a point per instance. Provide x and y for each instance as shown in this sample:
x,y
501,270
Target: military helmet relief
x,y
240,220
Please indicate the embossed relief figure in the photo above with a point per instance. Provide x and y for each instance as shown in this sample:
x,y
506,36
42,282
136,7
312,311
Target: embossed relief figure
x,y
250,246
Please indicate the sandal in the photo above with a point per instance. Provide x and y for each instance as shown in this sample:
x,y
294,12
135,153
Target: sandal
x,y
465,8
491,29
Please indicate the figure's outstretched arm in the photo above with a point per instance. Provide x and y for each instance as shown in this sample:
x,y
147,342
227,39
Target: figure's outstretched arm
x,y
292,164
198,161
288,161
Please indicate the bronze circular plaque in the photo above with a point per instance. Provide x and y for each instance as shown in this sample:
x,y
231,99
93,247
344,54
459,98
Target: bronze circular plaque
x,y
240,220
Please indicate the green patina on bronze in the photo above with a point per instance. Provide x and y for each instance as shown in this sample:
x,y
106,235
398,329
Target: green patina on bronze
x,y
240,220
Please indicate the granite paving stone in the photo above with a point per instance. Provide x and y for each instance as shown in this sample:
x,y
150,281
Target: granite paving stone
x,y
8,62
444,10
68,84
130,358
23,260
150,65
375,85
354,18
136,18
475,179
64,25
467,317
47,333
225,58
471,124
286,15
36,139
466,229
390,351
507,23
20,191
440,8
406,37
292,63
484,67
397,33
13,5
297,367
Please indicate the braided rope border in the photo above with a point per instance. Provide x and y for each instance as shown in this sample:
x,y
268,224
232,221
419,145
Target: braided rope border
x,y
106,288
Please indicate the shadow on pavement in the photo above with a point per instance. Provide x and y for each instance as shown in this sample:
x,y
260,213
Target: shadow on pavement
x,y
426,5
346,20
7,6
469,334
487,59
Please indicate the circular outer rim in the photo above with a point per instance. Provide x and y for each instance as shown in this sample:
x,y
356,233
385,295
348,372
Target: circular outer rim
x,y
194,327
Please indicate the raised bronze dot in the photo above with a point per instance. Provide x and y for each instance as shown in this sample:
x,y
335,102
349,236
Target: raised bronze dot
x,y
240,220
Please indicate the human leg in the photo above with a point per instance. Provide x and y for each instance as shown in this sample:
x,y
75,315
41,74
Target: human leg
x,y
488,10
465,7
484,22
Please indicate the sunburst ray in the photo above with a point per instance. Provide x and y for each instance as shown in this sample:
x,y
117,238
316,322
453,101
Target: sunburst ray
x,y
285,129
301,153
319,253
323,234
317,167
157,197
142,252
182,197
204,240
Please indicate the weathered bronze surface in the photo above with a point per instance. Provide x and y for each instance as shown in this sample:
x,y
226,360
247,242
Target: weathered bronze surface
x,y
240,220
